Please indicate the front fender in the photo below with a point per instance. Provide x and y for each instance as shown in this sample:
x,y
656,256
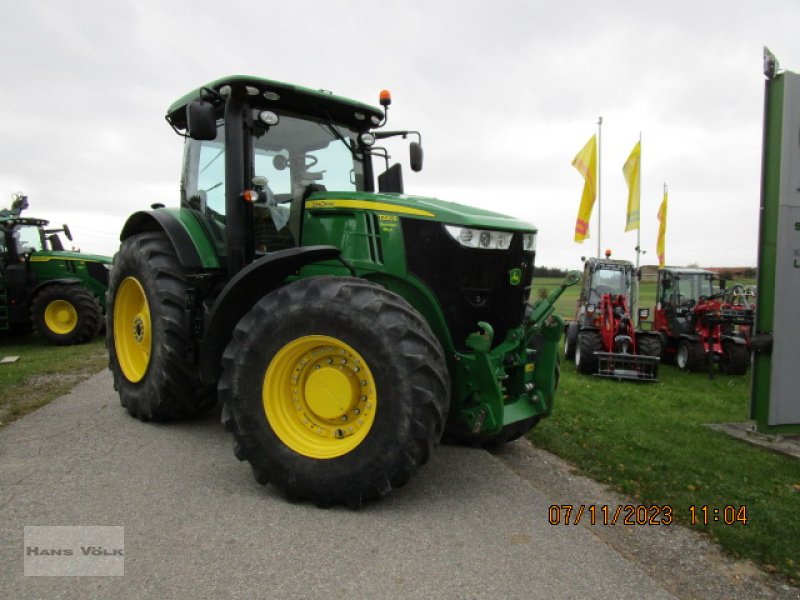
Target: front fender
x,y
242,292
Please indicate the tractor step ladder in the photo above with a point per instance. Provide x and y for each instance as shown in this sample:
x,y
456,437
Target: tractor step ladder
x,y
4,324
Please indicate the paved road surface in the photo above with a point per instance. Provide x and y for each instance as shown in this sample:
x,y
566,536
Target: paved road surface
x,y
197,525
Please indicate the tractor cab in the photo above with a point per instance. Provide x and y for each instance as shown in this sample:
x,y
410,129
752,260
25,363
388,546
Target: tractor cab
x,y
678,292
600,277
280,143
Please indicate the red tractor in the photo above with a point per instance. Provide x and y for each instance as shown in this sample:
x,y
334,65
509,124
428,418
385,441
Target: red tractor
x,y
700,323
603,340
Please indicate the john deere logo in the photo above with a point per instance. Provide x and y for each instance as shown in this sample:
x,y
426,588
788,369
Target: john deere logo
x,y
514,276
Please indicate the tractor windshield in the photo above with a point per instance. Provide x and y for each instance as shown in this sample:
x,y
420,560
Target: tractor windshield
x,y
29,239
609,281
287,159
691,287
297,153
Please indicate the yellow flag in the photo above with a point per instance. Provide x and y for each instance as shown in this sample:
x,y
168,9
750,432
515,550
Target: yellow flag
x,y
631,171
662,230
586,163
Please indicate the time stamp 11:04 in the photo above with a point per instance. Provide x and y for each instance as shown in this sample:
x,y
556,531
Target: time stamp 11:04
x,y
640,514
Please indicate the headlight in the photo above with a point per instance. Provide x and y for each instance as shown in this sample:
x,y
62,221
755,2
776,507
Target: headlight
x,y
529,242
480,238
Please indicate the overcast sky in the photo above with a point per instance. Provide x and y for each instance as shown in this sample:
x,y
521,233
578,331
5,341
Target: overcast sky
x,y
505,93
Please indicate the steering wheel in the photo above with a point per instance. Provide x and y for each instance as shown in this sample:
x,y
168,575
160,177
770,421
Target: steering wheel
x,y
310,160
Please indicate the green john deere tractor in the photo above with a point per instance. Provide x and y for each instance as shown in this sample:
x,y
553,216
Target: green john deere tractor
x,y
343,328
60,293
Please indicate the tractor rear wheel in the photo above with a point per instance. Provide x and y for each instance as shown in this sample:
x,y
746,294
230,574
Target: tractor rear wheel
x,y
571,341
589,342
65,314
735,359
147,333
690,356
335,390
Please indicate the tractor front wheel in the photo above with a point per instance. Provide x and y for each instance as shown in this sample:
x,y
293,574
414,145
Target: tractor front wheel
x,y
735,359
571,341
589,342
335,390
66,314
690,356
649,345
147,332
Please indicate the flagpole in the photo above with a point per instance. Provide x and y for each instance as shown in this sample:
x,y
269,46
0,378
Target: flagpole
x,y
639,228
599,186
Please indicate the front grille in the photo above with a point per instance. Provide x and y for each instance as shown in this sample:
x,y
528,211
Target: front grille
x,y
471,284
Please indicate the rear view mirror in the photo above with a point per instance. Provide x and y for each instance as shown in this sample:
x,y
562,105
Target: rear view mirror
x,y
67,232
415,151
201,120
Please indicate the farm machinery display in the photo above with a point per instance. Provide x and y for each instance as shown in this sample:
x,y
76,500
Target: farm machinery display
x,y
603,340
702,323
60,293
343,326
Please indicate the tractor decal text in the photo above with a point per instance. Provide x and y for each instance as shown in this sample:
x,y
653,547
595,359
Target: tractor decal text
x,y
367,205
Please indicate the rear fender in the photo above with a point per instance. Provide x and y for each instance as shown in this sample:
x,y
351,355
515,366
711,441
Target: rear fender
x,y
242,292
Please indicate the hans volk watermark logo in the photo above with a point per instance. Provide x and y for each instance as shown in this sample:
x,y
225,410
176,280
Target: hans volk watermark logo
x,y
61,551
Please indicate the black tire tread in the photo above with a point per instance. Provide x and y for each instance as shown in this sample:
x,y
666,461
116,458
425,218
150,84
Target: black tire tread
x,y
570,339
696,356
419,352
590,342
171,388
649,345
735,359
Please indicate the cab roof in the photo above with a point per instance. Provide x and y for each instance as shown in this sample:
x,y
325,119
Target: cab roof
x,y
13,221
689,271
277,95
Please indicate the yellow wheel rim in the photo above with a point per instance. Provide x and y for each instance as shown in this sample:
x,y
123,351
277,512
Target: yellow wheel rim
x,y
132,329
60,317
319,396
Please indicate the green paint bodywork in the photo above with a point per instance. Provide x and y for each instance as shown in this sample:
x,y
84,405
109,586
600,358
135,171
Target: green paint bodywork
x,y
43,267
49,265
202,242
768,235
767,267
491,387
493,384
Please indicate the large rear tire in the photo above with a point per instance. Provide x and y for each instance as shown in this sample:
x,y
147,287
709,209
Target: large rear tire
x,y
589,342
66,314
147,333
335,390
735,359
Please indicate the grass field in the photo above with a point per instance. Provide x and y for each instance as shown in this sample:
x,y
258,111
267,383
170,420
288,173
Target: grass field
x,y
650,442
43,372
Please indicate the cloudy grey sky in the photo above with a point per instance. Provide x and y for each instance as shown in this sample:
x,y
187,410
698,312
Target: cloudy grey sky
x,y
505,93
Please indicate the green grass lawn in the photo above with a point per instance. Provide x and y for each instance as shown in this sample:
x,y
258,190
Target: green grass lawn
x,y
650,442
43,372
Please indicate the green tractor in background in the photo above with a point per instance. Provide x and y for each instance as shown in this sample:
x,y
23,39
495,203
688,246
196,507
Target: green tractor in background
x,y
343,328
60,293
